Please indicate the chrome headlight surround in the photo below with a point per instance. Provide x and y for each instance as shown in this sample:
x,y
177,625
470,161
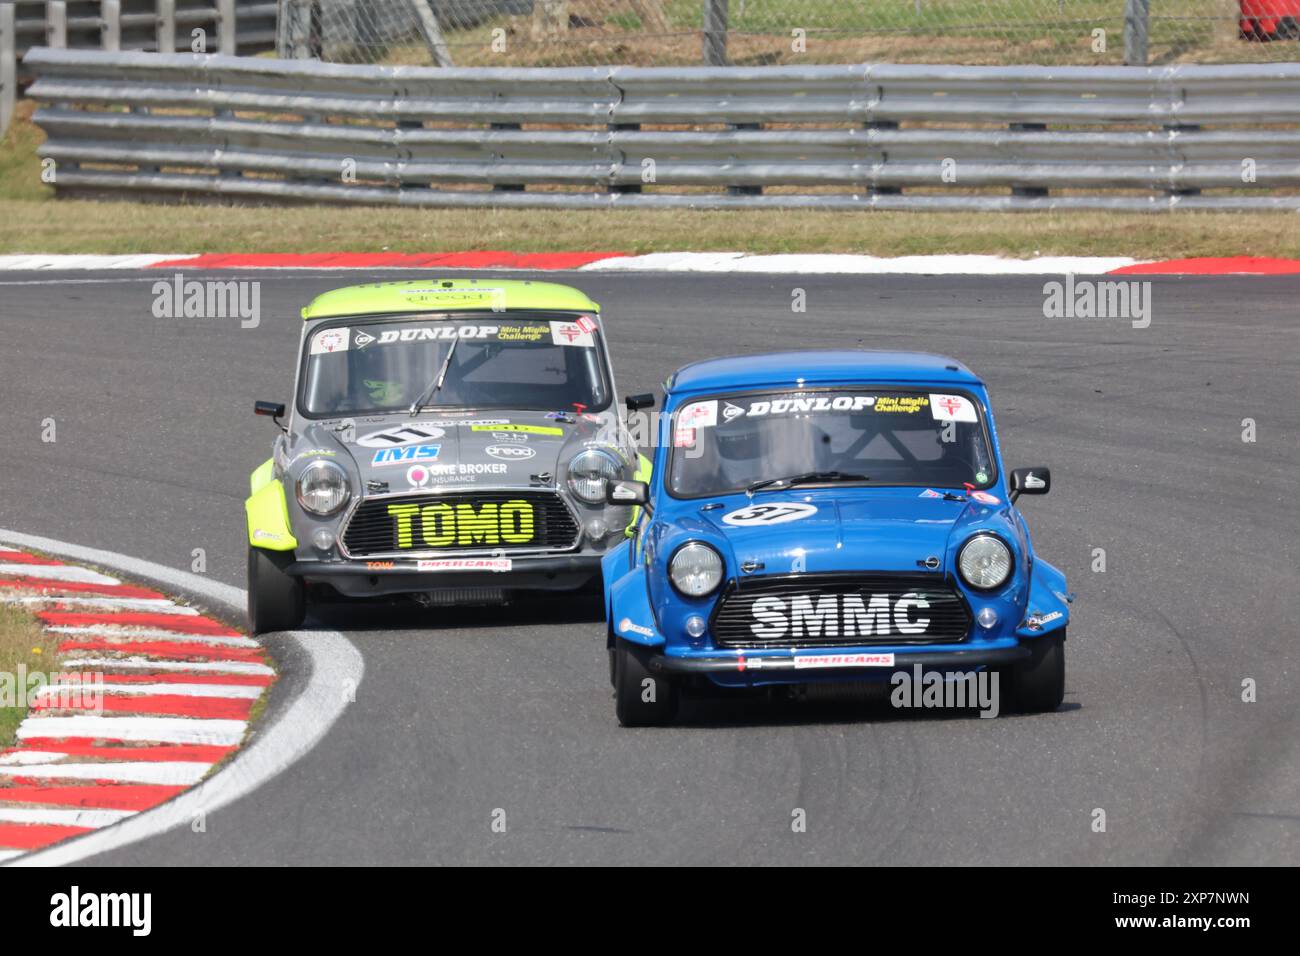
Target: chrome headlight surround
x,y
590,472
323,488
696,569
985,561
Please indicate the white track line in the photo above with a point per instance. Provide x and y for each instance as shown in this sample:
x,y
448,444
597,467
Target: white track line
x,y
64,818
143,663
150,634
57,573
167,772
142,261
243,691
152,605
334,669
163,730
10,854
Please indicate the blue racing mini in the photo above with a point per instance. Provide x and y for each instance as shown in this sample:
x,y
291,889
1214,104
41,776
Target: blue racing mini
x,y
827,517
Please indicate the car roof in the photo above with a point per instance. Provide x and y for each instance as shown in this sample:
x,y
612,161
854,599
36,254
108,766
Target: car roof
x,y
447,295
792,369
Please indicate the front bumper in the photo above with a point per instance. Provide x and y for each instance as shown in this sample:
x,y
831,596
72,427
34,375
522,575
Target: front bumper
x,y
749,668
362,579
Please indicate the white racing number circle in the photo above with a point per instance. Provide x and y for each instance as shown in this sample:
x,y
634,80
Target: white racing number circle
x,y
768,514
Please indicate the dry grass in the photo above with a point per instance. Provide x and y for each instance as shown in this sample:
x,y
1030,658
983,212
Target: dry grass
x,y
75,226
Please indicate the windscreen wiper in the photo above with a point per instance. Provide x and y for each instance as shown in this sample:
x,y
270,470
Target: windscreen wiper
x,y
425,397
791,480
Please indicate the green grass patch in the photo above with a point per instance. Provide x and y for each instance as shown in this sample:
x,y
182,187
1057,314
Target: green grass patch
x,y
25,649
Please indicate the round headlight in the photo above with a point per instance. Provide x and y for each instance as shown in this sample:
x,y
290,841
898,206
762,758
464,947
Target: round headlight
x,y
696,569
323,488
590,472
985,562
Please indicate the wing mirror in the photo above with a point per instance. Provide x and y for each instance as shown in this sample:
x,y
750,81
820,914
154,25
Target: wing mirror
x,y
1030,481
638,402
274,410
623,492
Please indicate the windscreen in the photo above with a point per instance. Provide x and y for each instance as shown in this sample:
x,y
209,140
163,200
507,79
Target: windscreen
x,y
890,437
484,361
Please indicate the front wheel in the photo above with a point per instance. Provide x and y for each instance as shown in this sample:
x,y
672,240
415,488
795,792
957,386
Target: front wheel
x,y
276,601
641,699
1038,684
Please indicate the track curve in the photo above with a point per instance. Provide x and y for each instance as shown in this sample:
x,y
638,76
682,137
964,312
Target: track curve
x,y
469,713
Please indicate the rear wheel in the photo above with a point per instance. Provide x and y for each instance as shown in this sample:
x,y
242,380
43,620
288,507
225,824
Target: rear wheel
x,y
1038,684
641,698
276,601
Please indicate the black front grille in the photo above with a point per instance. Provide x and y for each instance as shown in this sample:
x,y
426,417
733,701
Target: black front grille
x,y
476,521
825,610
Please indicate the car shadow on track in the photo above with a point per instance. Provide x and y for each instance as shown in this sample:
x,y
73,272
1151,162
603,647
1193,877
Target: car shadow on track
x,y
530,611
715,712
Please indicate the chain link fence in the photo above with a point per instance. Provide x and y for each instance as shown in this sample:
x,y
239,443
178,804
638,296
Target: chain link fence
x,y
761,32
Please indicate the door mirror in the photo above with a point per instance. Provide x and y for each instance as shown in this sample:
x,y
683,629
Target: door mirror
x,y
275,410
627,493
637,402
1030,481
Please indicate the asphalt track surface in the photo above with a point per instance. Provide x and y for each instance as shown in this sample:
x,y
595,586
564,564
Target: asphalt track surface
x,y
464,714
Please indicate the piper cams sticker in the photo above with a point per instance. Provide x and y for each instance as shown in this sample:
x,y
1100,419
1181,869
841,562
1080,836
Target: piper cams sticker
x,y
807,661
952,408
464,564
330,340
769,514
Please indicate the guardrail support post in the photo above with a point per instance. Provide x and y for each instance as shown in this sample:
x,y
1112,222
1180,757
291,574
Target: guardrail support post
x,y
165,26
715,32
227,41
56,24
744,190
883,190
8,66
624,186
110,25
1137,17
1183,128
1032,192
506,187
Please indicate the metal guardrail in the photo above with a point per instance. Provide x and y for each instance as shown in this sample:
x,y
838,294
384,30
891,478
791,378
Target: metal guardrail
x,y
821,137
8,66
229,26
237,27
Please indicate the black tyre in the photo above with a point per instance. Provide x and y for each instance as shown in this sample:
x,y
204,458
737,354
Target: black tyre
x,y
276,601
641,698
1038,684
